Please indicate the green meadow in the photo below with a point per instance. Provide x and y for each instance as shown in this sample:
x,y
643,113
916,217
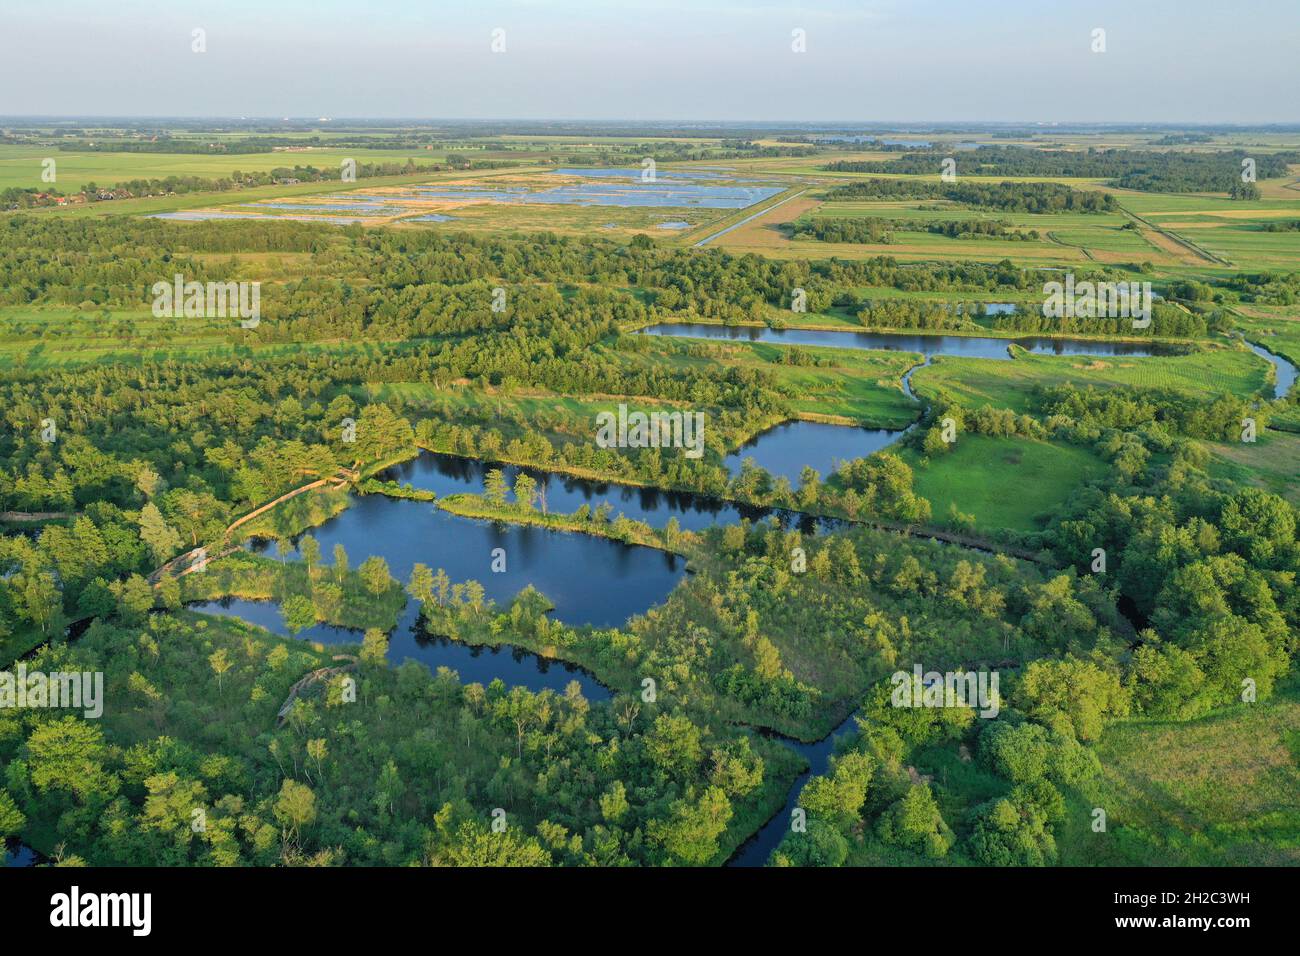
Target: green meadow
x,y
1222,790
1271,462
978,382
1013,483
21,166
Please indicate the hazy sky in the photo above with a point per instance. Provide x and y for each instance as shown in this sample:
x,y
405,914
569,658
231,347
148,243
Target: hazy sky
x,y
866,60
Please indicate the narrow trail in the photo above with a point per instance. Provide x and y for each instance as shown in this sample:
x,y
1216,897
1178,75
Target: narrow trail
x,y
184,564
1177,239
37,515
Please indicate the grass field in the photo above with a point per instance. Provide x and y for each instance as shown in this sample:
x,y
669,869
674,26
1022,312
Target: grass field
x,y
1014,483
978,382
20,166
1223,790
1271,462
860,386
1229,229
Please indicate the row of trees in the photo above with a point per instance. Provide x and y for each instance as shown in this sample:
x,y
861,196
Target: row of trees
x,y
1147,170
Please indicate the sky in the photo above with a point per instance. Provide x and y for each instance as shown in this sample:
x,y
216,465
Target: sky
x,y
1166,61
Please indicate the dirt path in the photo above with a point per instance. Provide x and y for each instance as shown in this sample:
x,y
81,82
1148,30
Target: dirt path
x,y
736,225
184,563
1175,244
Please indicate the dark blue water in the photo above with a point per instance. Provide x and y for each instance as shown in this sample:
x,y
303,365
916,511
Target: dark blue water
x,y
590,580
19,854
410,641
756,850
449,475
969,346
785,449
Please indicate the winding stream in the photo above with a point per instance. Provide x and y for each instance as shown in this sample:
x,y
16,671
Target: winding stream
x,y
756,850
1286,373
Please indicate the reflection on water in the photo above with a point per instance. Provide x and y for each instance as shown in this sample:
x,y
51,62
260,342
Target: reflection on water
x,y
785,449
969,346
410,640
756,850
448,475
1285,377
590,580
19,854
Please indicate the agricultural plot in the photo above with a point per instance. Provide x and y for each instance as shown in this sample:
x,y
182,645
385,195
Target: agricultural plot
x,y
1232,230
20,166
1063,239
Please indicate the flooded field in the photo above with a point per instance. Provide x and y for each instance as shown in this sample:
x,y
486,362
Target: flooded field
x,y
629,189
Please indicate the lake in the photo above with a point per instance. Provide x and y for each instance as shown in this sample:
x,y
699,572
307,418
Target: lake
x,y
968,346
590,580
410,641
785,449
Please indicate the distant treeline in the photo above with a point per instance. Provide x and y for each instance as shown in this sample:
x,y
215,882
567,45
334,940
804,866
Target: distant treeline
x,y
680,153
870,229
1011,197
1129,169
168,144
1182,139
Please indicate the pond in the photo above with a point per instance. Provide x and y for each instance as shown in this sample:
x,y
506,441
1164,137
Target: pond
x,y
660,193
449,474
785,449
968,346
410,641
19,854
590,580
